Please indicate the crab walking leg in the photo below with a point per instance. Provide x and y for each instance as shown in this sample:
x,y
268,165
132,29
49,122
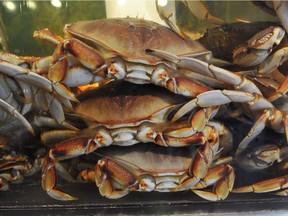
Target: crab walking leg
x,y
212,71
283,89
55,93
46,36
83,145
224,183
202,161
270,185
177,135
197,8
273,36
263,110
11,110
78,142
36,80
256,102
49,181
200,10
268,115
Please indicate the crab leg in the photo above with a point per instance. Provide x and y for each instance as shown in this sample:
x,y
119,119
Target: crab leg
x,y
257,104
9,109
34,79
202,161
61,93
197,8
283,89
177,135
270,185
96,63
49,182
9,104
46,36
223,176
82,145
209,70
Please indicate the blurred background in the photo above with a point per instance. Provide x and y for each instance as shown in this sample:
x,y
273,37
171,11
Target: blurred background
x,y
19,19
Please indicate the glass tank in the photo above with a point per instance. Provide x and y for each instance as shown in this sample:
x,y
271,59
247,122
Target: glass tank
x,y
222,38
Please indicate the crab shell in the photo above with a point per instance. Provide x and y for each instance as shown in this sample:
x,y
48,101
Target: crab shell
x,y
154,168
127,104
129,38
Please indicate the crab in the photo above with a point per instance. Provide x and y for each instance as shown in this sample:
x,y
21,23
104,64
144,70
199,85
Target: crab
x,y
125,114
128,58
262,46
119,53
13,165
145,167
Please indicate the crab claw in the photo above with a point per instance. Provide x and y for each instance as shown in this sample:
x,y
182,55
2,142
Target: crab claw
x,y
261,157
258,47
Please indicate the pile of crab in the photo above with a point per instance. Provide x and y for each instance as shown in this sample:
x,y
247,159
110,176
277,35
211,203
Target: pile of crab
x,y
145,108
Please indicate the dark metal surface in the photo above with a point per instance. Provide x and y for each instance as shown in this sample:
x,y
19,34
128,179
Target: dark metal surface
x,y
30,199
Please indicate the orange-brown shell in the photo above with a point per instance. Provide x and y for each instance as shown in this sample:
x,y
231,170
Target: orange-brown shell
x,y
147,158
130,37
126,103
121,109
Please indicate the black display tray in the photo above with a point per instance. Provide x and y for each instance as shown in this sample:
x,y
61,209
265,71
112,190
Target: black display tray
x,y
29,199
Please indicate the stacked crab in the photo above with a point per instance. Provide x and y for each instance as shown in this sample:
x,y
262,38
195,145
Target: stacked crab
x,y
13,165
161,135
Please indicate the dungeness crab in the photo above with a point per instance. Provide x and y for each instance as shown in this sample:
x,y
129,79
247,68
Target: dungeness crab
x,y
148,168
125,115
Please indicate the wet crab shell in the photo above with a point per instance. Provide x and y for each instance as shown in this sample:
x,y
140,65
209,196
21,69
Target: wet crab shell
x,y
126,104
155,160
130,38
